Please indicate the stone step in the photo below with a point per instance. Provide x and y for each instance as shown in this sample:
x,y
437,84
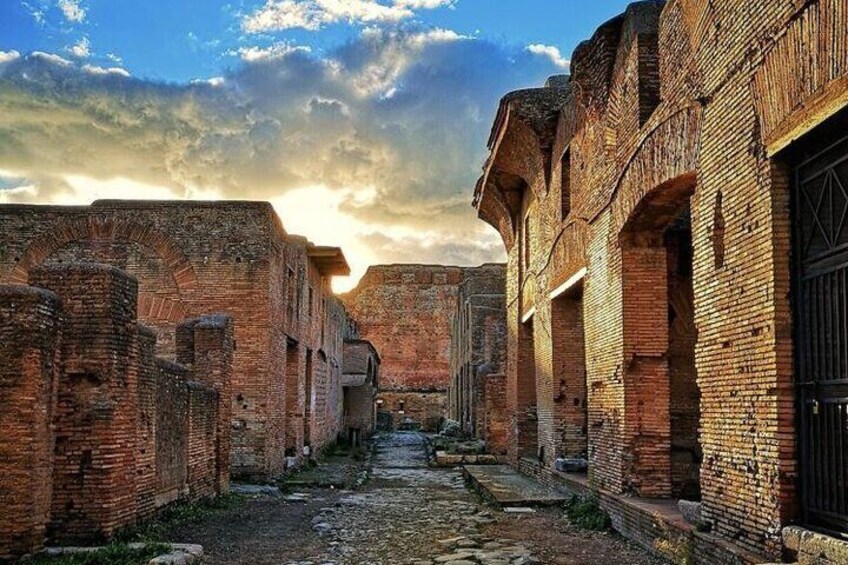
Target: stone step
x,y
508,488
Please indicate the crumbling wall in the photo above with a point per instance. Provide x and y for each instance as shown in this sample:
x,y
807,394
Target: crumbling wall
x,y
111,432
96,417
478,343
30,331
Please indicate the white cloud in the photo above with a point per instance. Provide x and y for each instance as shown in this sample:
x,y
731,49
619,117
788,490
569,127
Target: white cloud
x,y
73,10
37,12
312,15
52,58
425,4
81,49
95,70
551,52
214,81
271,53
9,56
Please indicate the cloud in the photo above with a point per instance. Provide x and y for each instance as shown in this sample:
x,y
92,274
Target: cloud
x,y
81,49
36,11
277,15
271,53
51,58
95,70
9,56
551,52
72,10
389,177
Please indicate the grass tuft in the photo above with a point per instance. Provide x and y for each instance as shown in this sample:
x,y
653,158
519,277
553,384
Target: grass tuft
x,y
587,513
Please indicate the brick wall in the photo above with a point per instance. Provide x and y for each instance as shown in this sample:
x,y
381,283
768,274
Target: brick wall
x,y
668,104
192,258
111,432
30,330
424,409
495,426
96,416
478,343
406,312
361,377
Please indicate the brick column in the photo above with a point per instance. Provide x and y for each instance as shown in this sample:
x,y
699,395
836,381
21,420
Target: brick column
x,y
29,336
94,482
646,442
146,435
207,345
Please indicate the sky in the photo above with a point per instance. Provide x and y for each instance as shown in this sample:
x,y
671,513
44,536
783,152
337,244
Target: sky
x,y
363,122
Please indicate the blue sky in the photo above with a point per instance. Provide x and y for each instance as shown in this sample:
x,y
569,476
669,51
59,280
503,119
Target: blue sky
x,y
174,40
363,122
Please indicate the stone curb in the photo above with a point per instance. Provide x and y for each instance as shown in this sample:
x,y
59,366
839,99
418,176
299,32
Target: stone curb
x,y
180,554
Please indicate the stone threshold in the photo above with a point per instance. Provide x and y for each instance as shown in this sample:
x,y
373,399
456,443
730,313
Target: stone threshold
x,y
655,524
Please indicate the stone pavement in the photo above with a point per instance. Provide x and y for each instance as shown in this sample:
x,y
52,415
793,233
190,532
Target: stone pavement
x,y
411,513
407,514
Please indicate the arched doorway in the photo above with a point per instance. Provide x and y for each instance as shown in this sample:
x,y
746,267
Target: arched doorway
x,y
662,399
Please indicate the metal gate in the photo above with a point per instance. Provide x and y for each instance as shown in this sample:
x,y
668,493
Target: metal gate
x,y
820,252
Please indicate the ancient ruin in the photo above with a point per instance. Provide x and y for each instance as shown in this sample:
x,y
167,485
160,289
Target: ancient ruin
x,y
98,431
361,380
673,216
406,312
477,389
233,257
665,348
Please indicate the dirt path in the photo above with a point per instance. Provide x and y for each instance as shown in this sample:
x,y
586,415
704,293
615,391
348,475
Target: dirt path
x,y
407,514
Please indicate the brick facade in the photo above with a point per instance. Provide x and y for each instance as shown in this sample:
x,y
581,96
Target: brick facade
x,y
104,432
192,258
653,187
406,312
361,379
478,346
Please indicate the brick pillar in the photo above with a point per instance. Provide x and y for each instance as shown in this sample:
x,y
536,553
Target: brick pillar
x,y
569,376
526,424
495,427
94,482
207,345
646,441
30,322
295,372
146,435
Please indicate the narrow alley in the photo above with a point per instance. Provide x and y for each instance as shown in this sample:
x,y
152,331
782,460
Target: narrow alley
x,y
407,513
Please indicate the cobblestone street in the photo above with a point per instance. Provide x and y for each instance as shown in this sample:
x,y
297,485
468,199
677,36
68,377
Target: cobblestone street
x,y
407,513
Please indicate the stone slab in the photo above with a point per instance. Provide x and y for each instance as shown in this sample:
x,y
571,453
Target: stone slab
x,y
507,487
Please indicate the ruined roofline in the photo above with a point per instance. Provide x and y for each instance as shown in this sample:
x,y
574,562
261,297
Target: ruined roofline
x,y
367,343
535,106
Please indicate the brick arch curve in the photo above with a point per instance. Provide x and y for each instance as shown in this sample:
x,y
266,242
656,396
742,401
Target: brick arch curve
x,y
105,228
667,154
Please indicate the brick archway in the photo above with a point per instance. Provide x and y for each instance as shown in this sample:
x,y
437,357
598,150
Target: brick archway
x,y
104,228
662,400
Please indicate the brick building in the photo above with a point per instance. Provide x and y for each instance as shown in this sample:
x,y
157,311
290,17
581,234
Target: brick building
x,y
98,432
478,355
361,379
673,214
407,311
195,257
